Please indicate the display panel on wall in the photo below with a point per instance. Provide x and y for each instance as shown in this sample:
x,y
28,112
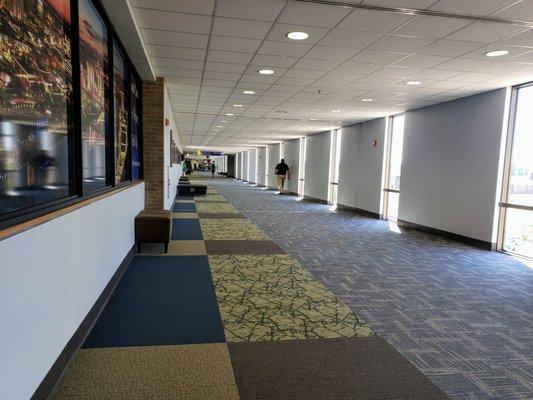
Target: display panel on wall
x,y
35,84
94,104
56,138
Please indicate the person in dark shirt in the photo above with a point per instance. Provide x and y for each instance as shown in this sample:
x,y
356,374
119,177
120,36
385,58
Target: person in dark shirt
x,y
282,171
213,169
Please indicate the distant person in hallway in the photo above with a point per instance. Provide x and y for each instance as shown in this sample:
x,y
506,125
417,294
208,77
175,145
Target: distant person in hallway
x,y
213,168
282,171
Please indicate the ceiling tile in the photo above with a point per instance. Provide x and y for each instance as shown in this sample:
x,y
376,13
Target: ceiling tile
x,y
260,10
317,64
487,32
406,44
186,6
188,23
521,39
373,21
284,49
223,43
417,4
312,14
240,28
431,27
273,61
175,52
482,8
224,67
330,52
450,48
421,61
353,39
521,11
377,57
229,57
481,52
464,64
303,73
174,63
154,36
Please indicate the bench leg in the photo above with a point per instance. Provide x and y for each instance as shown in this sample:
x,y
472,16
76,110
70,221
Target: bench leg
x,y
166,248
138,247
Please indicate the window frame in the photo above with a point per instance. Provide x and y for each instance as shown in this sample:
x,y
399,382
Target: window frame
x,y
75,159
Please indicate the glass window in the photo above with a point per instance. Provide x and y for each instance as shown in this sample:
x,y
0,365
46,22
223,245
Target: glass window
x,y
94,105
135,129
518,228
395,152
122,172
35,88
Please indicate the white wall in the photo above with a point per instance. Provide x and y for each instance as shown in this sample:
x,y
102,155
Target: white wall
x,y
252,154
245,166
273,160
171,172
50,277
238,163
349,156
317,165
450,165
291,154
261,165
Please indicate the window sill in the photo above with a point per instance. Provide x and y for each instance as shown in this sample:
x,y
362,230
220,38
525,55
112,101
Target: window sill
x,y
65,209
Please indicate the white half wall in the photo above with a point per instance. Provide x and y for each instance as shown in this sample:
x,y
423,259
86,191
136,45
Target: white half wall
x,y
172,171
451,160
252,174
317,165
291,154
261,165
273,160
50,277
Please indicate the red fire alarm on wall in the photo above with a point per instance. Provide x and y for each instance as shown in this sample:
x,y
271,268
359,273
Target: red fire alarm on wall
x,y
374,143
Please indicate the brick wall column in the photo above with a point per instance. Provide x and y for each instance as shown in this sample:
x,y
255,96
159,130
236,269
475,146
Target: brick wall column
x,y
153,143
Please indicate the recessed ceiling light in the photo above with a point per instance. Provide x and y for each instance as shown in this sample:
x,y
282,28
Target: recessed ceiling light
x,y
413,83
229,114
497,53
219,126
223,121
297,35
266,71
237,105
313,119
367,100
216,130
281,111
336,111
248,92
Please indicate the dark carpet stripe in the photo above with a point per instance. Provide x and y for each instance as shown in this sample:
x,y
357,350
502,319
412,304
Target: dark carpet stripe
x,y
344,368
242,247
161,301
186,229
184,207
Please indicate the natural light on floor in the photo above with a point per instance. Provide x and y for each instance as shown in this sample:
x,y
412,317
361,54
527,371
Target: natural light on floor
x,y
393,227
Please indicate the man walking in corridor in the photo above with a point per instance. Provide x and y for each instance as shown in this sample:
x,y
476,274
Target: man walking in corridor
x,y
282,171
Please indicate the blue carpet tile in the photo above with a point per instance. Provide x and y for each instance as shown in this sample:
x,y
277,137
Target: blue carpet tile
x,y
185,310
184,207
186,229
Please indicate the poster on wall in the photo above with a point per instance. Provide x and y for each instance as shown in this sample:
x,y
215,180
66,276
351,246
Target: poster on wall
x,y
135,130
35,85
94,107
120,115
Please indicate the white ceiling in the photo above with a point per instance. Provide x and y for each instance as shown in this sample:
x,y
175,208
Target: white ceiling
x,y
210,50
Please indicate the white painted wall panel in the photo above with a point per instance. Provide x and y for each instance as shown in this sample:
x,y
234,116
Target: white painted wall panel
x,y
317,165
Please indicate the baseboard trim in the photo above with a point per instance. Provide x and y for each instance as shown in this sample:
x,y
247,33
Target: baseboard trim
x,y
481,244
366,213
48,384
315,200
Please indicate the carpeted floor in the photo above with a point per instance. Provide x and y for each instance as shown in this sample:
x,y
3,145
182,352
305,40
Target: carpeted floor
x,y
461,315
228,314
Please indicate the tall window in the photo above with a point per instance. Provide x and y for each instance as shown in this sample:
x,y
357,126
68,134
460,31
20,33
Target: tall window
x,y
135,128
35,104
394,167
335,159
517,201
120,116
94,103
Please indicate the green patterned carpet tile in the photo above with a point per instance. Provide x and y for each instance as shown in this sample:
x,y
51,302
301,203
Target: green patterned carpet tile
x,y
231,229
272,297
215,208
210,198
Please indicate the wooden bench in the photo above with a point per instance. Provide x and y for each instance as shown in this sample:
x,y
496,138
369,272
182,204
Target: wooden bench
x,y
153,227
191,190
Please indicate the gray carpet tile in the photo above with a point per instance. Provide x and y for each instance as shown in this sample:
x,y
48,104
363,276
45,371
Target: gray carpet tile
x,y
463,316
327,369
